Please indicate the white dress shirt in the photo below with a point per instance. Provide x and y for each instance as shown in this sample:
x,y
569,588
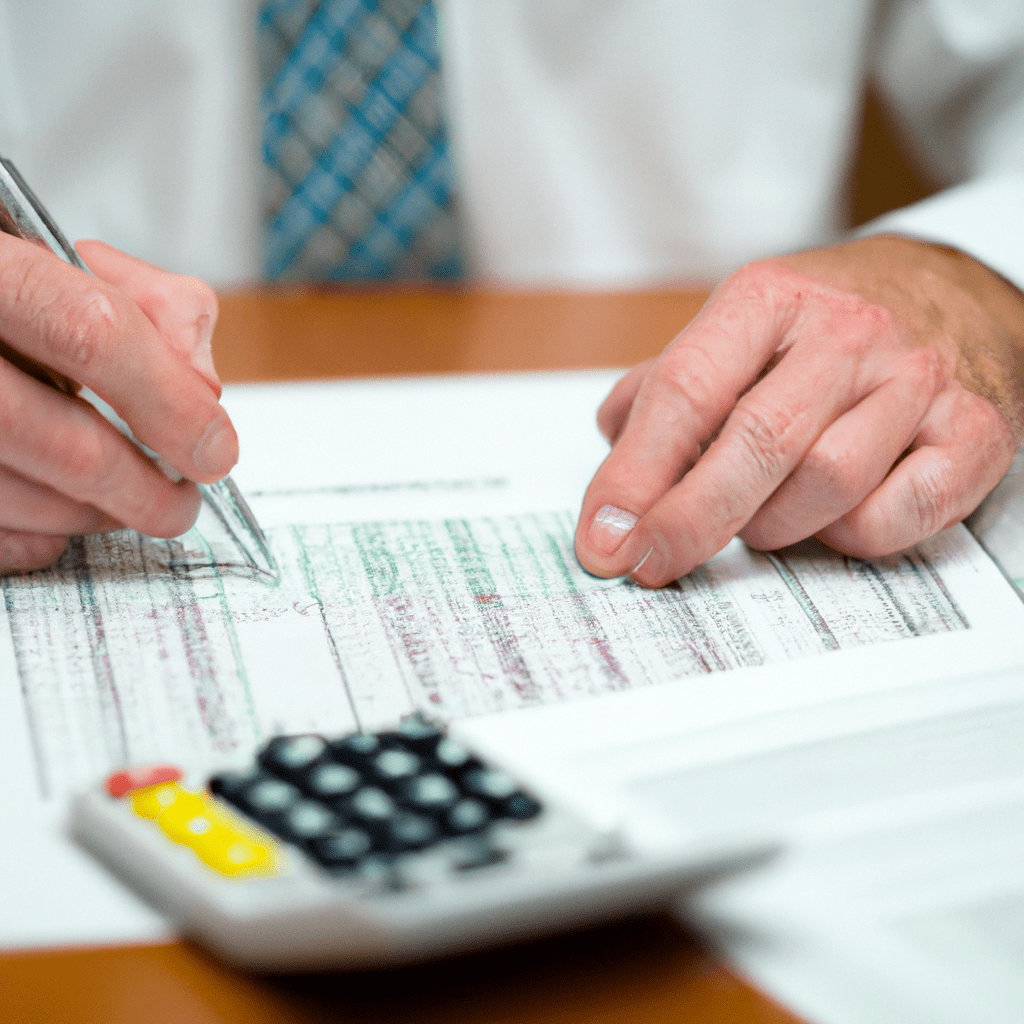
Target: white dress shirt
x,y
135,121
599,143
629,142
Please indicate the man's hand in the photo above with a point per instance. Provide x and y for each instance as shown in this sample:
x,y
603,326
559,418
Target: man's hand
x,y
870,394
140,338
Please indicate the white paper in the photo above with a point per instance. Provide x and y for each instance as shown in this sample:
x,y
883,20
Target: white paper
x,y
916,916
424,530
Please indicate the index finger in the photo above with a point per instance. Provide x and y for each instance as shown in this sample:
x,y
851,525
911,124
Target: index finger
x,y
682,402
88,330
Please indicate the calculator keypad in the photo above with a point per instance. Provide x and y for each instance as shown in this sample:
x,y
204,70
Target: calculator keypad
x,y
358,801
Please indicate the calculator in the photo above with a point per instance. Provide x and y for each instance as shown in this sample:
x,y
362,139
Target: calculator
x,y
364,850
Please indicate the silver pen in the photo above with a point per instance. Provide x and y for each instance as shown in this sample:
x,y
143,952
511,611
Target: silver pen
x,y
22,215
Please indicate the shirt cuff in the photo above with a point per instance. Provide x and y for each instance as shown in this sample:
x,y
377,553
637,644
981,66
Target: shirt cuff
x,y
983,218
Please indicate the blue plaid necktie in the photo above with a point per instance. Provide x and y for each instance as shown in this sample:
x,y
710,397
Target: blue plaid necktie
x,y
358,179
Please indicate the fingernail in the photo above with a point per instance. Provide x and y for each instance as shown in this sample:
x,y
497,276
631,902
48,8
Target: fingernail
x,y
610,527
216,451
201,356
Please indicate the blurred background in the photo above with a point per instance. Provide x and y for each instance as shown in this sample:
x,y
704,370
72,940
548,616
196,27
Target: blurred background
x,y
300,141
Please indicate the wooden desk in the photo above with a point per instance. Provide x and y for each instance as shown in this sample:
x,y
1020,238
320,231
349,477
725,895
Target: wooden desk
x,y
647,971
294,335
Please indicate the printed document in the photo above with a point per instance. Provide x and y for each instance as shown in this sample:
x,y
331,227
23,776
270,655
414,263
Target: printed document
x,y
424,532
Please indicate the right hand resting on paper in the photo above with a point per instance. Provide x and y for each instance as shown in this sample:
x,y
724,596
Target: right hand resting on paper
x,y
140,338
869,394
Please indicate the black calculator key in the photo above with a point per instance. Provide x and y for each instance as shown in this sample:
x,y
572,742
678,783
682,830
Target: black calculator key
x,y
332,781
343,848
265,798
357,750
409,832
291,756
430,792
466,816
230,785
520,806
501,792
489,783
419,735
270,796
372,804
308,820
367,799
394,765
452,756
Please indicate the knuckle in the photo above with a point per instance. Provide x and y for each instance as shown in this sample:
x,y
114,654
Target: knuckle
x,y
27,280
25,276
920,376
925,367
761,279
763,433
979,417
864,322
760,287
188,298
73,324
82,333
846,322
833,474
984,432
205,298
932,498
690,377
80,462
875,321
855,327
850,342
96,322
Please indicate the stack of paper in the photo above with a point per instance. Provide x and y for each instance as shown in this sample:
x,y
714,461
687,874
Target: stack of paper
x,y
869,716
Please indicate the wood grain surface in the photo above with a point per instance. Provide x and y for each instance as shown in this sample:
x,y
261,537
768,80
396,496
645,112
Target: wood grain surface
x,y
299,335
640,972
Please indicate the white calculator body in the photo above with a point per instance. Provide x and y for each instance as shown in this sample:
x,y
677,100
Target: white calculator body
x,y
368,850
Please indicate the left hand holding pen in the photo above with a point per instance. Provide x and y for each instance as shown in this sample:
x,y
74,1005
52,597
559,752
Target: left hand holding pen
x,y
869,394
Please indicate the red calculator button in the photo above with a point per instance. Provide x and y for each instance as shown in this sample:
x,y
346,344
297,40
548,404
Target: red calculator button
x,y
130,779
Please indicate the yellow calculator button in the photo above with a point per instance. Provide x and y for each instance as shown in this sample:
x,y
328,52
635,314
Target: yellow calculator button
x,y
193,819
150,801
181,818
189,816
231,852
